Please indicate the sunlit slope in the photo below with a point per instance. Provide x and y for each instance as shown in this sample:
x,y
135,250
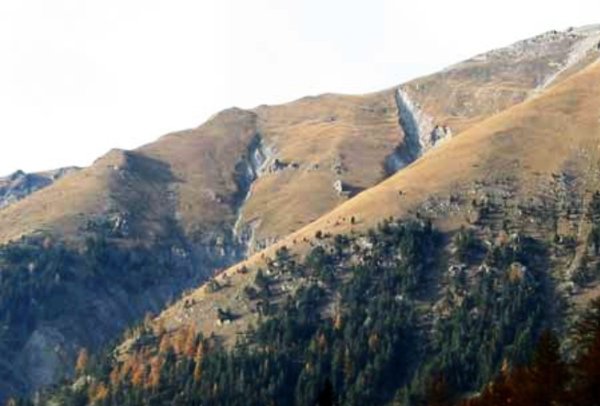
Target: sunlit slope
x,y
63,205
274,168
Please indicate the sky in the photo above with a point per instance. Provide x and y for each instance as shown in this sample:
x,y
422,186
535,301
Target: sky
x,y
79,77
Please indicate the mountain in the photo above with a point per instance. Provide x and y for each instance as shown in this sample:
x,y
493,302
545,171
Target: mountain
x,y
494,144
514,199
19,184
319,140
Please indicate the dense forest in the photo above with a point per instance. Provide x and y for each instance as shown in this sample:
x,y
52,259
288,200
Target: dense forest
x,y
381,318
44,280
400,315
549,379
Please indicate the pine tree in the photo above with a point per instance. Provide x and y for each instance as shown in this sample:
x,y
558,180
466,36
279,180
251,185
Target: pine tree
x,y
198,358
326,396
438,392
548,371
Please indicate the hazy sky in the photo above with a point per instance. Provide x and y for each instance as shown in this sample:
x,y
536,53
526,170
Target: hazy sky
x,y
78,77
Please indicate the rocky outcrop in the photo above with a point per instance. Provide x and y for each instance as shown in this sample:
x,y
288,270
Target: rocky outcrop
x,y
339,187
258,159
421,133
20,184
46,356
586,40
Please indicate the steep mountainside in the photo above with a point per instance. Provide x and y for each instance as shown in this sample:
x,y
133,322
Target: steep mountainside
x,y
536,159
203,199
472,90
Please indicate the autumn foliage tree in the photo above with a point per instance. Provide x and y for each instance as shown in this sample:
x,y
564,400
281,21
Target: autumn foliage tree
x,y
198,363
82,362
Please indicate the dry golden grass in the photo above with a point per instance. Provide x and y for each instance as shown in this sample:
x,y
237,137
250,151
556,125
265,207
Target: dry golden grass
x,y
487,84
201,162
355,133
536,138
64,205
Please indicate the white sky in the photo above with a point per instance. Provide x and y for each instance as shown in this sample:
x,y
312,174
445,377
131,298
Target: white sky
x,y
78,77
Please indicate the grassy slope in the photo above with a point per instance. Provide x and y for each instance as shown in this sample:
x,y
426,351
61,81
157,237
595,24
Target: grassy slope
x,y
60,205
354,133
202,163
189,176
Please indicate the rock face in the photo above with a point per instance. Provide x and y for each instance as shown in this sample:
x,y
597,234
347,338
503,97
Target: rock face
x,y
257,160
20,184
341,188
45,356
421,133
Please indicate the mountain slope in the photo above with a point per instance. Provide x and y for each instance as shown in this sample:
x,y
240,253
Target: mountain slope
x,y
203,199
542,152
486,84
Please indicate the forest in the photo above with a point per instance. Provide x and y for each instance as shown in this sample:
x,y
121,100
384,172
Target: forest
x,y
45,280
390,317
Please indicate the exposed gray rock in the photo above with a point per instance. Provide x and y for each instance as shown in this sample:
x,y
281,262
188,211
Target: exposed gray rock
x,y
421,133
342,188
19,184
258,160
45,356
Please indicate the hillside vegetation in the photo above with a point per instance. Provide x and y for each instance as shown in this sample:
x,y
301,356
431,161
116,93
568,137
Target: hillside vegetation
x,y
372,319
